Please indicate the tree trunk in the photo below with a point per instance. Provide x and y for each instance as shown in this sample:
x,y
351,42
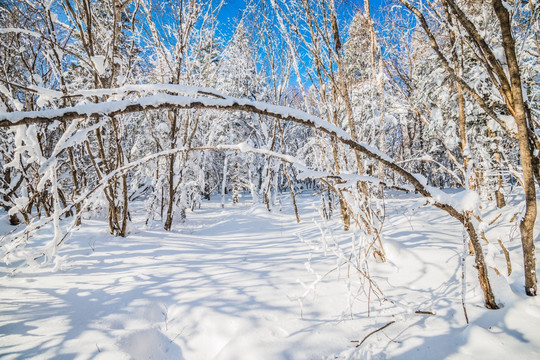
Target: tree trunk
x,y
518,112
291,190
480,264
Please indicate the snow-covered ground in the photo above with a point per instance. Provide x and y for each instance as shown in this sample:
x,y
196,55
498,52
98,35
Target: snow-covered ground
x,y
233,283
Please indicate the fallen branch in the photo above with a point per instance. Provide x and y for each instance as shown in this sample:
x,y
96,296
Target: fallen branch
x,y
424,312
373,332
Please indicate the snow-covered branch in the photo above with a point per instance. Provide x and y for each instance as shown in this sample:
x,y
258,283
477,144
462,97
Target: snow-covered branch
x,y
167,101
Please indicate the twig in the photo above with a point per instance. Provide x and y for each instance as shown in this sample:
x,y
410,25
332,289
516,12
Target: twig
x,y
375,331
493,221
507,256
424,312
464,275
177,335
210,94
174,338
484,237
514,217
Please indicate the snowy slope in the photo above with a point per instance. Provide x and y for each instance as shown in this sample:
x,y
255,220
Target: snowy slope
x,y
233,283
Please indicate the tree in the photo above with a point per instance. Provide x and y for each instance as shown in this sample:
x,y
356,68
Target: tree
x,y
510,90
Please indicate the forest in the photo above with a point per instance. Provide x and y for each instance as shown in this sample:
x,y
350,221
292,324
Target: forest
x,y
144,113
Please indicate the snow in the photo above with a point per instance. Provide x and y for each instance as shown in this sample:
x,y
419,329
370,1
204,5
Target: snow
x,y
20,31
303,171
53,94
466,200
83,110
498,52
508,120
125,89
227,284
246,148
71,137
421,179
510,123
100,62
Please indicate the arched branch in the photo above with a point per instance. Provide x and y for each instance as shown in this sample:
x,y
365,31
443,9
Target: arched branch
x,y
168,101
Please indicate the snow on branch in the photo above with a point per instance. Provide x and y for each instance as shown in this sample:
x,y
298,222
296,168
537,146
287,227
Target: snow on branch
x,y
224,103
20,31
147,88
348,179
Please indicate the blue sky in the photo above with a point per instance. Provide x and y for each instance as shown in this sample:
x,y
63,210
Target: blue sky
x,y
231,13
232,10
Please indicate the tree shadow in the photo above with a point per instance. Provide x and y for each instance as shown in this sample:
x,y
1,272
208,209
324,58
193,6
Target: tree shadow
x,y
135,290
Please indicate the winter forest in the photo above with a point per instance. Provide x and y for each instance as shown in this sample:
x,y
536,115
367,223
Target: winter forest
x,y
269,179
